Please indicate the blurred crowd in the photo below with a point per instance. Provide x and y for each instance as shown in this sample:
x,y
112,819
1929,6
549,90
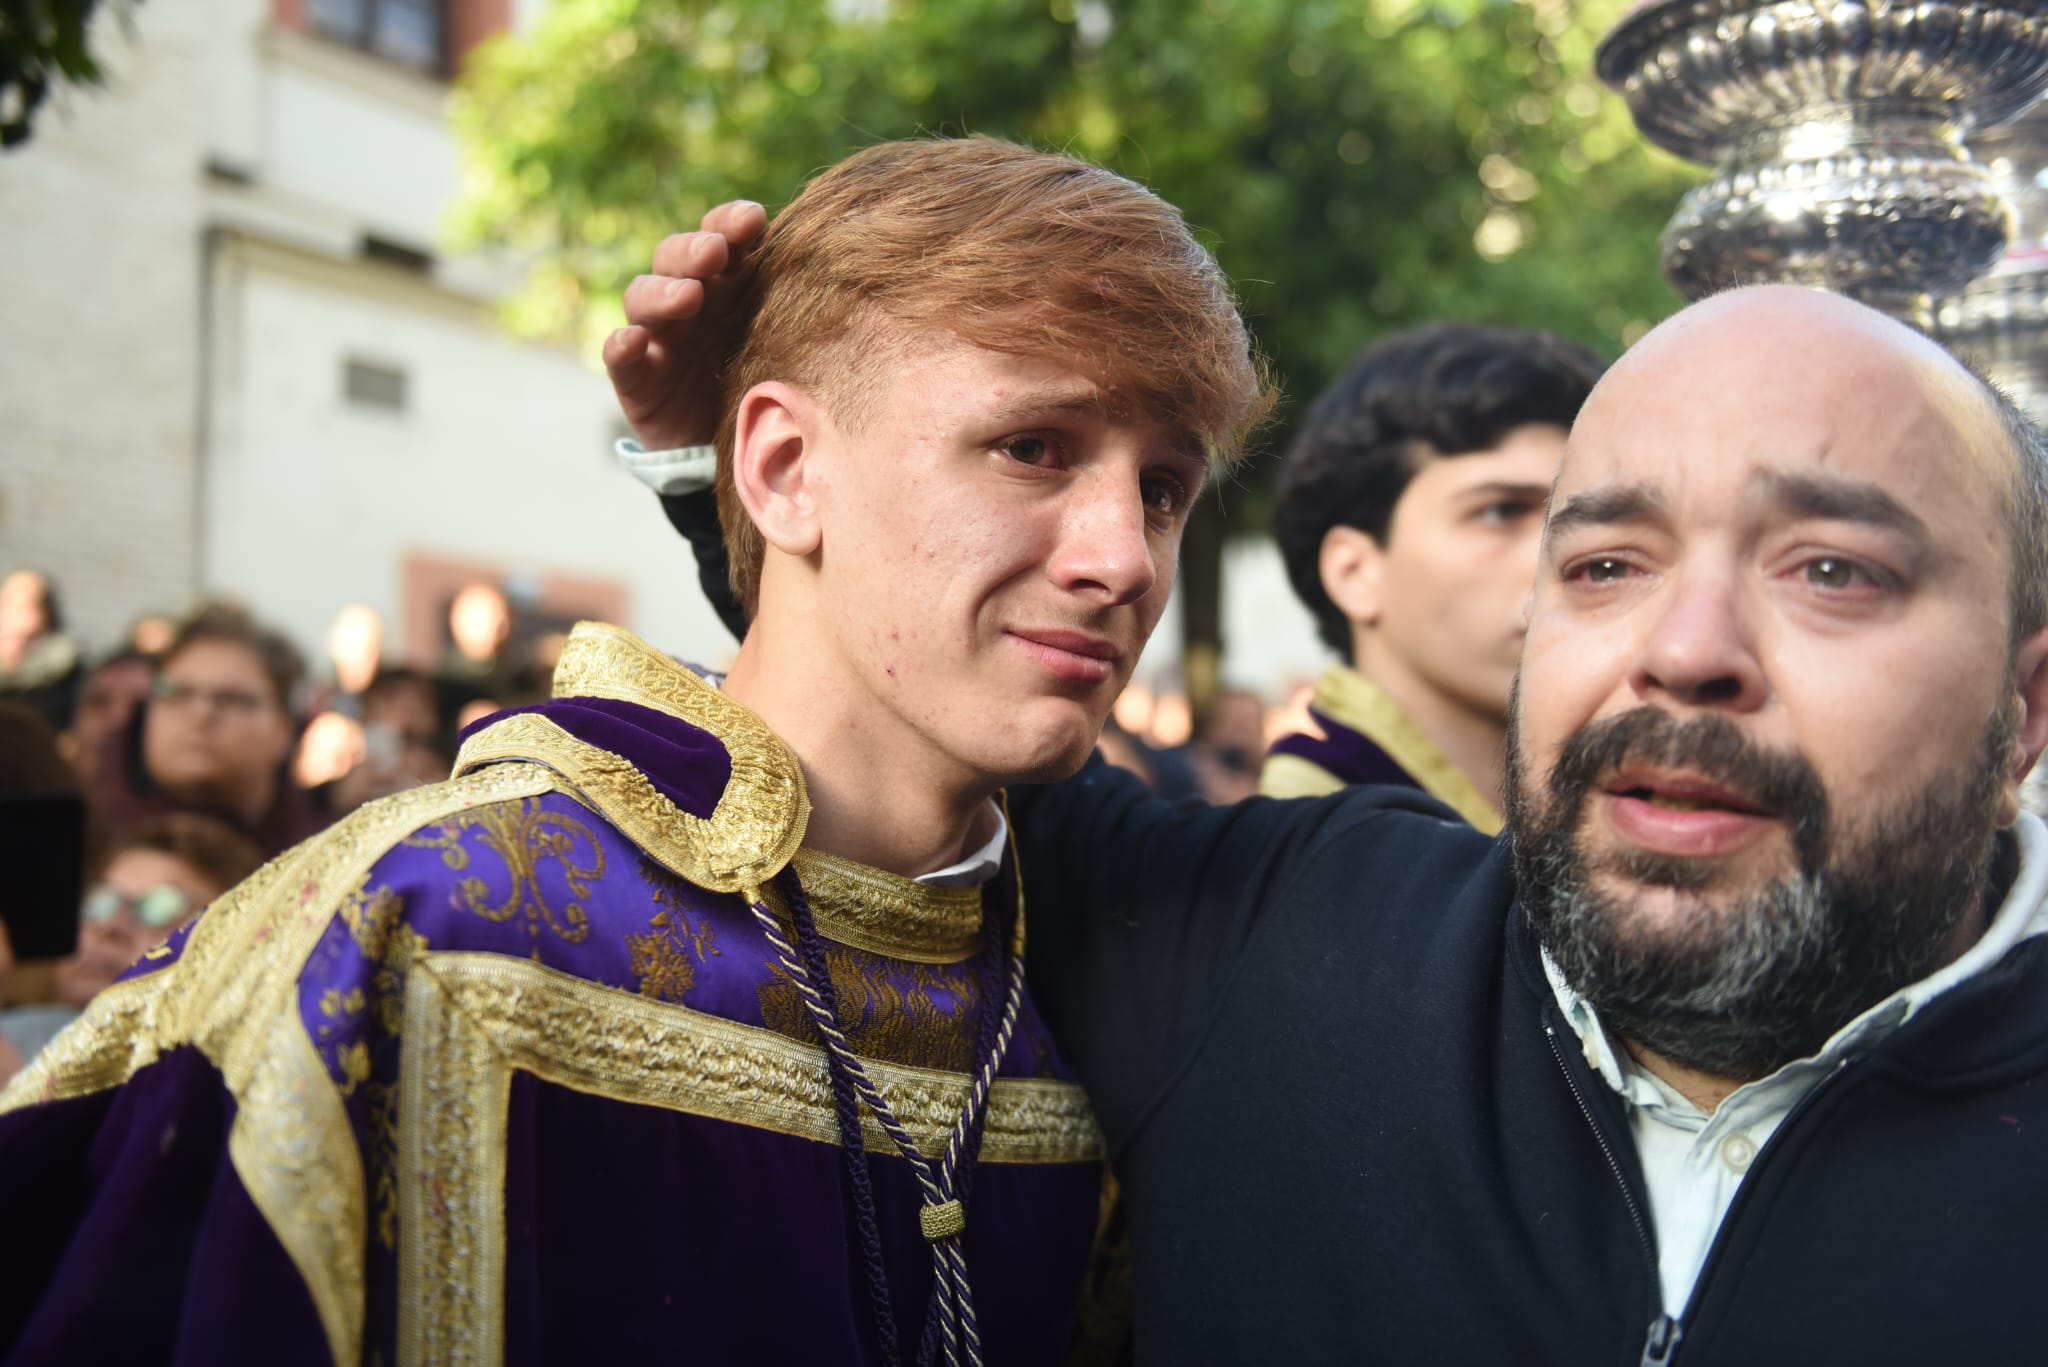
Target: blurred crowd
x,y
139,784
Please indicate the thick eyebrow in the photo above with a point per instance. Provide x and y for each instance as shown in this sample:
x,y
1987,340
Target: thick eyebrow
x,y
1035,404
1603,507
1842,500
1502,489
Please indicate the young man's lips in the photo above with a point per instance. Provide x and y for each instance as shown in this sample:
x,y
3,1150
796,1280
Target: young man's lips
x,y
1681,815
1072,656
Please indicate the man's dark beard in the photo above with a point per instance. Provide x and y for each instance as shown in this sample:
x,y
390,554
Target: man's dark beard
x,y
1752,981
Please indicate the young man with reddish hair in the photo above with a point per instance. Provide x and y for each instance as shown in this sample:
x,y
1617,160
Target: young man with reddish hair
x,y
688,1017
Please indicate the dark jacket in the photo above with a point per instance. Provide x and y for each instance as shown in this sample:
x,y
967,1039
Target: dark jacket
x,y
1352,1125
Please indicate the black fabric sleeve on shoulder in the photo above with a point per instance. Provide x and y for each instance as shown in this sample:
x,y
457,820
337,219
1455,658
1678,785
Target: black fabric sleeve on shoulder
x,y
1138,911
695,515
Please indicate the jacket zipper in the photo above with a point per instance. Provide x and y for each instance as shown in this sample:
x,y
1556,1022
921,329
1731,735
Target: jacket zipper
x,y
1665,1333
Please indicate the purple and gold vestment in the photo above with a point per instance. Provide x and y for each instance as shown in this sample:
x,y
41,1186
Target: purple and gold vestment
x,y
505,1069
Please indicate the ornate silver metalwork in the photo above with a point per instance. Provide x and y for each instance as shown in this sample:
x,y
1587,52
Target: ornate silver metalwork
x,y
2001,320
1836,128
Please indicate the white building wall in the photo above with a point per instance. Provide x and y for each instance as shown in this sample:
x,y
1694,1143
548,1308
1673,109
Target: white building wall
x,y
500,455
99,285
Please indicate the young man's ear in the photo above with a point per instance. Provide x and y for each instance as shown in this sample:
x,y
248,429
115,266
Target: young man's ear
x,y
2030,667
1353,570
773,464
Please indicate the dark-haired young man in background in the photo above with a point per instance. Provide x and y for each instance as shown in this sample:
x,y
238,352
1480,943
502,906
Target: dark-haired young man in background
x,y
1409,511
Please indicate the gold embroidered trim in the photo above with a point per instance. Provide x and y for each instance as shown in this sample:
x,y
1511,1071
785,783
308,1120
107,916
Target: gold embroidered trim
x,y
765,797
885,913
1285,775
760,818
455,1089
1347,696
632,1048
738,846
473,1019
233,993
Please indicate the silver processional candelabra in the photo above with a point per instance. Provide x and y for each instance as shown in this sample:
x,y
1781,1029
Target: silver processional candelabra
x,y
1837,133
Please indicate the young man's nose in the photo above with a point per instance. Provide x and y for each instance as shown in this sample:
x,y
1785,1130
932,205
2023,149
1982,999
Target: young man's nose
x,y
1697,647
1105,543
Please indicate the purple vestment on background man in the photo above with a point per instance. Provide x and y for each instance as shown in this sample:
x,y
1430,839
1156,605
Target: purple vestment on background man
x,y
505,1069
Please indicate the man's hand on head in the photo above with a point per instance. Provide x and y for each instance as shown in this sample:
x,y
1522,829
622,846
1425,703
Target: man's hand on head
x,y
662,369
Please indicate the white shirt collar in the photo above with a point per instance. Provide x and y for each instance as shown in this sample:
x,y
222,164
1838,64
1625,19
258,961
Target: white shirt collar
x,y
978,867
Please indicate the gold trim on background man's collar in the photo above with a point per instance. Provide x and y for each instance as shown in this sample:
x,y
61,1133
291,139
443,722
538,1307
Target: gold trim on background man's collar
x,y
1347,696
760,818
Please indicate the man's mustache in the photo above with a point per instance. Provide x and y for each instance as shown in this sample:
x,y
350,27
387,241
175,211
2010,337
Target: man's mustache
x,y
1781,782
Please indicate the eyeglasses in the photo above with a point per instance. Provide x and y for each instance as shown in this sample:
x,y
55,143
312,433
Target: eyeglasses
x,y
159,908
229,702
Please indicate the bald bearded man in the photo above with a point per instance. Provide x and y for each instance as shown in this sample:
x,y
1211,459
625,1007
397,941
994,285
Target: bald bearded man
x,y
1731,1052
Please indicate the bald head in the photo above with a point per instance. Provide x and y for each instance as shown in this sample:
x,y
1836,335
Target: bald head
x,y
1790,369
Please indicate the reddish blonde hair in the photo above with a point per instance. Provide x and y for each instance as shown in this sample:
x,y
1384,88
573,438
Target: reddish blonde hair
x,y
1005,247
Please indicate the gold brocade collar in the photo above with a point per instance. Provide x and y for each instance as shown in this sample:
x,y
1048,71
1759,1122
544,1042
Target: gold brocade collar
x,y
760,818
1346,696
885,913
758,825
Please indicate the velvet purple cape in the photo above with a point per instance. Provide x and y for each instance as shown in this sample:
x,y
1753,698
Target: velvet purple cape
x,y
706,1222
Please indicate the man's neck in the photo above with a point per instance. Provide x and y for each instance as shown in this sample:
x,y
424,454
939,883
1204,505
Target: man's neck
x,y
877,798
1473,740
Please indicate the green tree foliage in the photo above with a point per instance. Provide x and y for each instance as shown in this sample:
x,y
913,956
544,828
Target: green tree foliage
x,y
1357,165
42,43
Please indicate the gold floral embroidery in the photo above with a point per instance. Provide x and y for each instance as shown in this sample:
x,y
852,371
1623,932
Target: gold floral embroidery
x,y
233,993
662,955
903,1024
758,821
522,835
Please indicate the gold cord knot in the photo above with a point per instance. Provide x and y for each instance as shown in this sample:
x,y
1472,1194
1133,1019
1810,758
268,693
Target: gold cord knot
x,y
941,1220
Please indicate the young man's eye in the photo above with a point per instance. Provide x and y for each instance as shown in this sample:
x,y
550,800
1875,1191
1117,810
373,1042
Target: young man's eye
x,y
1163,493
1027,450
1506,512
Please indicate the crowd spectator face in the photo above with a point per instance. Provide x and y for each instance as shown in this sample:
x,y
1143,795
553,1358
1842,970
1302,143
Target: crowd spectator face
x,y
106,704
480,621
216,731
24,614
355,646
168,872
1772,708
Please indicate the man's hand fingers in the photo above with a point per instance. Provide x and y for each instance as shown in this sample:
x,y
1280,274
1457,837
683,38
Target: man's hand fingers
x,y
652,300
626,363
739,221
691,256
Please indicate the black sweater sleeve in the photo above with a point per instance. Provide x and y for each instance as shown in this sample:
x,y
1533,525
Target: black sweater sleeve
x,y
1138,910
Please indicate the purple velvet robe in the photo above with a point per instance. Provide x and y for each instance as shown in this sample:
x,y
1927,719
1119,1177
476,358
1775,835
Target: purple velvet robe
x,y
506,1070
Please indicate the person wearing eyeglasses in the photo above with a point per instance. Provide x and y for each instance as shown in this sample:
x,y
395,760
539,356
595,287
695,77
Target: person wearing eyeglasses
x,y
161,875
214,737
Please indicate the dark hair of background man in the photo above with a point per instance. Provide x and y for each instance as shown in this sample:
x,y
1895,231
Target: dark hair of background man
x,y
1437,390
